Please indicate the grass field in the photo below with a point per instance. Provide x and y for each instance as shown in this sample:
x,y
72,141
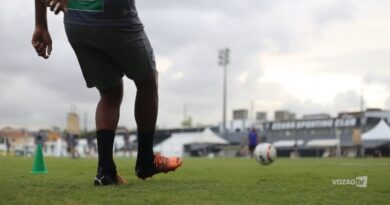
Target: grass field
x,y
199,181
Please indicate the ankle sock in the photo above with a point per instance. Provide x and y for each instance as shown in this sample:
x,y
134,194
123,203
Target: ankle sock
x,y
145,149
105,142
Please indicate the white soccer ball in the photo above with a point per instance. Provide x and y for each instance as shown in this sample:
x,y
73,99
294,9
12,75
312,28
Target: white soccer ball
x,y
265,153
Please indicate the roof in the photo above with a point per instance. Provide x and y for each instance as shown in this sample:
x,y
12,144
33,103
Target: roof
x,y
13,133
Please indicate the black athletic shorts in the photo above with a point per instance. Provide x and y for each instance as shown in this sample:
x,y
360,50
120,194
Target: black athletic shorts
x,y
105,55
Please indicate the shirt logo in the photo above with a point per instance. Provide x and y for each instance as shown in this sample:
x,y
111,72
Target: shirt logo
x,y
86,5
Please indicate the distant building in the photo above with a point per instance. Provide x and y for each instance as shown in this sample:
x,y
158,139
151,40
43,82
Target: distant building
x,y
261,116
14,135
53,136
19,139
369,113
241,114
73,123
321,137
240,121
282,115
316,116
377,113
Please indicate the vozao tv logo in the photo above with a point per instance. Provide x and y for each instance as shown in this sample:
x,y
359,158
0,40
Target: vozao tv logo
x,y
360,181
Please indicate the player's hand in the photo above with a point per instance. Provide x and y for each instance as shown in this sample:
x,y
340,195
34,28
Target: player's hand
x,y
41,41
57,5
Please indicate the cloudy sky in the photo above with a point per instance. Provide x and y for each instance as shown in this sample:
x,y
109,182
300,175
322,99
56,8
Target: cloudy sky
x,y
304,56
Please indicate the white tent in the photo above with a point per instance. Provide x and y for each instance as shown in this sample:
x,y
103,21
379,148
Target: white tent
x,y
174,145
323,143
287,143
380,132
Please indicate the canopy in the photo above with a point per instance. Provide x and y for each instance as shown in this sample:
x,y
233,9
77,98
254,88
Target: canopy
x,y
174,145
323,143
380,132
288,143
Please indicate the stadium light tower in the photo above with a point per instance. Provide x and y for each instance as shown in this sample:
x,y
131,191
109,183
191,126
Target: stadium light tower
x,y
224,60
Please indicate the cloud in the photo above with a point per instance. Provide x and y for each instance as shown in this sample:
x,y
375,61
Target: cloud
x,y
307,56
163,64
242,78
343,101
347,100
177,75
335,11
382,79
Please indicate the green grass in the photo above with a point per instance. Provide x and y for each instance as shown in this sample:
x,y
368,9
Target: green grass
x,y
199,181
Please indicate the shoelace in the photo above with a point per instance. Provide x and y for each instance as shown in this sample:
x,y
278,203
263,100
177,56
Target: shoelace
x,y
160,162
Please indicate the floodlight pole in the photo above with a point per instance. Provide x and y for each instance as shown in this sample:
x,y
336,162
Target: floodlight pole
x,y
224,97
338,146
224,58
361,125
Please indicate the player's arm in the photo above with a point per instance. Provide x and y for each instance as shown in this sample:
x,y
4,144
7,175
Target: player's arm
x,y
41,39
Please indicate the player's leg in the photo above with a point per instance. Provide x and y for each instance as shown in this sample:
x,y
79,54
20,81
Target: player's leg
x,y
146,108
108,108
132,52
145,111
107,117
251,150
100,71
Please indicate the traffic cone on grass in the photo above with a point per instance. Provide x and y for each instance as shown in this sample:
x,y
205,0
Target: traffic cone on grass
x,y
39,166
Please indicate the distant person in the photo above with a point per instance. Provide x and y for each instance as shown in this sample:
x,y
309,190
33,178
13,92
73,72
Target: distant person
x,y
75,151
40,139
252,141
127,145
52,148
68,141
91,145
116,149
295,152
377,153
7,146
71,141
110,42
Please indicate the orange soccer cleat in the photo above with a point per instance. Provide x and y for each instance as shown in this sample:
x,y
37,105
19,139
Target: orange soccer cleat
x,y
161,164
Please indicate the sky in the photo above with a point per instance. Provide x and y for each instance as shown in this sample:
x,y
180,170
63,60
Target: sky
x,y
303,56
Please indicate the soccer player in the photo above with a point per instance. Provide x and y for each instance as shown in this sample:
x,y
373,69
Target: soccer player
x,y
110,42
252,141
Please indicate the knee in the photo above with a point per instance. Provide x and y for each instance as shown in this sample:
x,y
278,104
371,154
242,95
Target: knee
x,y
113,95
149,83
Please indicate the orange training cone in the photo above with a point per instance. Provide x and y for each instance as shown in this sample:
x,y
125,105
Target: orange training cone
x,y
39,166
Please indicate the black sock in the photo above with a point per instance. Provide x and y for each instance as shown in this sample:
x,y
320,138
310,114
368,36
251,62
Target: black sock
x,y
145,154
105,142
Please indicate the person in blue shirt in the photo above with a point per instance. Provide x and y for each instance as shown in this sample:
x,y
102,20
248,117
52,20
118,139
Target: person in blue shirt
x,y
109,41
252,141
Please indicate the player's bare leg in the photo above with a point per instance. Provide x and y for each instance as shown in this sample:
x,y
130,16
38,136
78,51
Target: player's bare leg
x,y
108,108
107,117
